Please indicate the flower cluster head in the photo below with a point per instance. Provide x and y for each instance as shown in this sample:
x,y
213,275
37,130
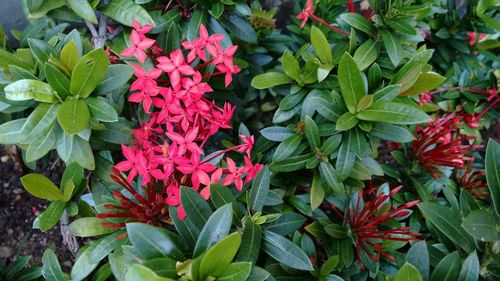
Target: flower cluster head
x,y
440,143
475,37
472,180
371,222
168,149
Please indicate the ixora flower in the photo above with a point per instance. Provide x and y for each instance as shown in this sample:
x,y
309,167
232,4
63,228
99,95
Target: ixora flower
x,y
440,143
475,37
368,222
168,149
308,12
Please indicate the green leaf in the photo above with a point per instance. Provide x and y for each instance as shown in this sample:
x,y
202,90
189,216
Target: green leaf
x,y
41,146
391,133
50,217
69,55
402,27
217,10
351,82
9,131
259,190
321,46
366,54
101,110
41,50
287,223
345,159
81,153
88,227
492,164
425,82
449,223
482,225
387,93
73,116
329,265
42,187
197,210
284,251
290,164
39,123
69,187
346,121
288,147
276,133
270,79
240,28
83,9
365,103
152,242
40,10
317,193
392,46
116,76
57,80
447,269
220,195
139,272
336,230
88,73
418,256
51,270
329,177
408,273
470,268
358,22
27,89
124,11
164,267
291,66
216,228
312,133
217,258
251,239
186,229
395,113
236,271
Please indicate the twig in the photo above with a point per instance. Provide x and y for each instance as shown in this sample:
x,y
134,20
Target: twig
x,y
69,240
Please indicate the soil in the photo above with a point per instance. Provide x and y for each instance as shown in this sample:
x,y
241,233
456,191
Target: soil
x,y
18,209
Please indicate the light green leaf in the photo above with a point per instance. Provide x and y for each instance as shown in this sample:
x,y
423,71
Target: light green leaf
x,y
88,227
236,271
321,46
408,273
9,131
482,225
395,113
124,11
88,73
83,9
392,46
139,272
152,242
216,228
42,187
50,217
317,193
101,110
73,116
358,22
351,82
470,268
312,133
217,258
116,77
69,55
291,66
366,54
51,270
27,89
270,79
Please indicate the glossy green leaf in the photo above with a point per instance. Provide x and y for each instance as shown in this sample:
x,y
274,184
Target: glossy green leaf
x,y
287,223
291,66
50,217
317,194
259,190
447,269
41,146
329,177
345,159
394,113
346,121
321,46
42,187
88,73
57,80
408,273
73,116
124,11
41,50
288,147
217,258
27,89
418,256
276,133
236,271
482,225
197,210
492,164
164,267
69,55
216,228
240,28
250,242
270,79
284,251
449,223
83,9
358,22
9,131
88,227
101,110
152,242
425,82
139,272
392,46
81,153
336,230
351,82
116,76
290,164
470,268
391,133
51,270
312,133
366,54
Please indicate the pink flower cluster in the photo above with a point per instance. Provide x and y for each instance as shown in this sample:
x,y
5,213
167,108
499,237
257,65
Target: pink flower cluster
x,y
169,147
